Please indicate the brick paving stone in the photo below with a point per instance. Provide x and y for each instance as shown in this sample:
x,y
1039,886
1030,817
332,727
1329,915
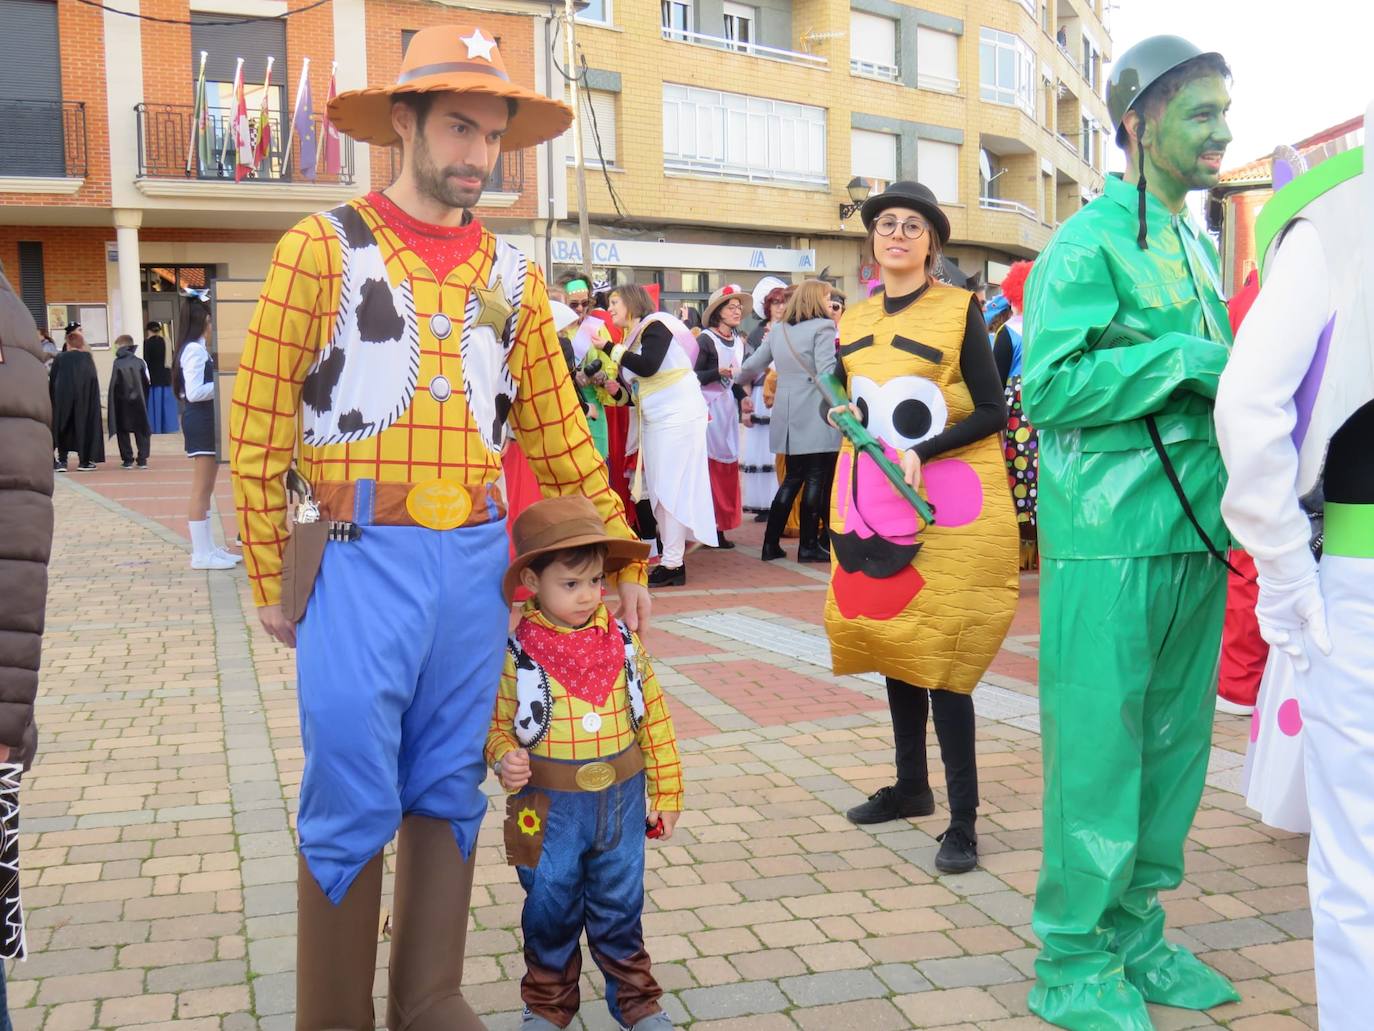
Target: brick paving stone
x,y
160,855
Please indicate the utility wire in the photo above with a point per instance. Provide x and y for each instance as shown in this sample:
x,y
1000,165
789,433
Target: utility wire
x,y
185,21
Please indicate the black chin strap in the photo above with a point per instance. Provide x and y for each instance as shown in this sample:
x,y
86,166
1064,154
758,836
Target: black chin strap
x,y
1140,239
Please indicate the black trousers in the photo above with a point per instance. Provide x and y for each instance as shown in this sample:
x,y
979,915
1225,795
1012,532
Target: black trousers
x,y
810,476
953,729
126,446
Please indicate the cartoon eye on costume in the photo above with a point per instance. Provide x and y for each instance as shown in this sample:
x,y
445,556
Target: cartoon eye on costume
x,y
903,411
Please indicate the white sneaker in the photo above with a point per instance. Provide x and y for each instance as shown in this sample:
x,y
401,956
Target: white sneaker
x,y
212,561
236,559
1233,708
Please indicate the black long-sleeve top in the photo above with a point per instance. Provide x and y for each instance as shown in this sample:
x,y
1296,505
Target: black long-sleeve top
x,y
653,348
707,365
979,371
155,355
1002,353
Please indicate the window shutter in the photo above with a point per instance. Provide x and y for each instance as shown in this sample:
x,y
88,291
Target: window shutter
x,y
253,39
873,155
937,59
937,165
872,39
32,289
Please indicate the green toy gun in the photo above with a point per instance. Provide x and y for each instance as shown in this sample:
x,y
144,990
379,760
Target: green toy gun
x,y
868,444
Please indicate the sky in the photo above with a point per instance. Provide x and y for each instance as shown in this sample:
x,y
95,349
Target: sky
x,y
1299,67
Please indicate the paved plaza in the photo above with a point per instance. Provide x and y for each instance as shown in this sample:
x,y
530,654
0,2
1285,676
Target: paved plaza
x,y
159,859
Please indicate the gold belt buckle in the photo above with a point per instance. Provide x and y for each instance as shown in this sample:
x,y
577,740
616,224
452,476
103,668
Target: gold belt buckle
x,y
597,776
439,504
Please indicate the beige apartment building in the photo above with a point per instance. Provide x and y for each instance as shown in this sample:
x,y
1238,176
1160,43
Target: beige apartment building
x,y
731,132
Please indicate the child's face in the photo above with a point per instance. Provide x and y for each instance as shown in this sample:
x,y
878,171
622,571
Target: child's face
x,y
568,597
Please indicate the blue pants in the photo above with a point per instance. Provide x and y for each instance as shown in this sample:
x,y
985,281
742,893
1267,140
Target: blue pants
x,y
398,660
590,875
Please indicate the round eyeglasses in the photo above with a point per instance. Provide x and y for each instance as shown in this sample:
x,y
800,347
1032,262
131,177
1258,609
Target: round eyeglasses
x,y
912,228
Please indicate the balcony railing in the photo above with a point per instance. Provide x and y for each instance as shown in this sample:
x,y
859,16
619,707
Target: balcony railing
x,y
998,204
753,49
44,139
165,138
507,177
740,173
875,69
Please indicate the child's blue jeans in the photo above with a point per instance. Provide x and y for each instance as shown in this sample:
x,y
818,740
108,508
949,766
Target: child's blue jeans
x,y
590,875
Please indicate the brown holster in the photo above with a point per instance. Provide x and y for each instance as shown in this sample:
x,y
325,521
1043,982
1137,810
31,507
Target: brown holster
x,y
300,564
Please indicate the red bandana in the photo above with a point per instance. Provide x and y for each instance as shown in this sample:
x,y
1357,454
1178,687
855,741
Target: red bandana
x,y
441,248
586,662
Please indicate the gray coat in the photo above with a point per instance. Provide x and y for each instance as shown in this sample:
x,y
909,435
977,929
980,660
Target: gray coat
x,y
798,426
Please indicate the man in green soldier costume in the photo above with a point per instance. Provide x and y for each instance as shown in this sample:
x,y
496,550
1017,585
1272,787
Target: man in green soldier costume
x,y
1126,335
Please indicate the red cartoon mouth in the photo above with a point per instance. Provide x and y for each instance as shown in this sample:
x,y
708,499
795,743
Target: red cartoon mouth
x,y
861,596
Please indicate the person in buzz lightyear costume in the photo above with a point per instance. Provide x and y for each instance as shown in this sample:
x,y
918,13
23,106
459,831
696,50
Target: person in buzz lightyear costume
x,y
1295,415
396,344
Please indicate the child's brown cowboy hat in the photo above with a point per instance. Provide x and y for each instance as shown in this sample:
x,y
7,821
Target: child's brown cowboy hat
x,y
451,59
555,524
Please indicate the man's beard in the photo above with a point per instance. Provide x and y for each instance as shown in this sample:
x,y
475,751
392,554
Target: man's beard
x,y
438,183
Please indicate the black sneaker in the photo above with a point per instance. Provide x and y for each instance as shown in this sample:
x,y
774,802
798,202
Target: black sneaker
x,y
89,467
126,465
888,803
723,542
143,465
59,467
663,576
958,850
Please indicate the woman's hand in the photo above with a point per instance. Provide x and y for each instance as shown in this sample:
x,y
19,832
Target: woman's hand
x,y
580,378
853,410
911,468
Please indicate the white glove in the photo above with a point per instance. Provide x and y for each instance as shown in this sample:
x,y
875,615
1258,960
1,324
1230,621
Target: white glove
x,y
1291,613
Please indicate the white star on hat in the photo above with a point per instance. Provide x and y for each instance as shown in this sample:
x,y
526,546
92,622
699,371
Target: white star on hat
x,y
478,45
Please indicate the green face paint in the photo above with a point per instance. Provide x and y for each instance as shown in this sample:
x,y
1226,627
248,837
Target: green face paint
x,y
1185,143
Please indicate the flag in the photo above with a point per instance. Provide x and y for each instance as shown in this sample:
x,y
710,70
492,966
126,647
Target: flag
x,y
198,147
303,125
333,161
242,133
263,150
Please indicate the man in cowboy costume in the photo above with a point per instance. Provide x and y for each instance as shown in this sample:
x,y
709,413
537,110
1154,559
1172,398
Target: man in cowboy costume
x,y
1126,336
395,346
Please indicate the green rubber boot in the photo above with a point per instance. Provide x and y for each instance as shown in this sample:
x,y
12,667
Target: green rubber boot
x,y
1109,1004
1170,975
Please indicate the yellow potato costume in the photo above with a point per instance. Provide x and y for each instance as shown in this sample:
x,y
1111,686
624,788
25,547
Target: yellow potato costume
x,y
927,605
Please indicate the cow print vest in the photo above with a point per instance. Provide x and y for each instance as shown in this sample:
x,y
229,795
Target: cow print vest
x,y
365,377
534,697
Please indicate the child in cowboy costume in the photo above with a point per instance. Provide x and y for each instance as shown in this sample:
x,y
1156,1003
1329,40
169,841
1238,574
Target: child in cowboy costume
x,y
580,729
395,346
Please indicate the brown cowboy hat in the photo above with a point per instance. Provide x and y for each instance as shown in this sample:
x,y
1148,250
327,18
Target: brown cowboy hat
x,y
556,524
728,292
451,59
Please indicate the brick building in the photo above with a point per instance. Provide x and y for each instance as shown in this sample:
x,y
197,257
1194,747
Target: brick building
x,y
729,132
100,219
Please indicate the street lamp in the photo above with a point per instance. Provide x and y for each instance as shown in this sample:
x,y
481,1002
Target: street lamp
x,y
858,193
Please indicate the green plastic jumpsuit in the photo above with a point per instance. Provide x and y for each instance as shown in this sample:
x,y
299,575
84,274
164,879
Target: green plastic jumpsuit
x,y
1132,603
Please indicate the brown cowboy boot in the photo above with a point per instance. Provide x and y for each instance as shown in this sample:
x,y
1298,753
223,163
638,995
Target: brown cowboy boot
x,y
336,952
429,929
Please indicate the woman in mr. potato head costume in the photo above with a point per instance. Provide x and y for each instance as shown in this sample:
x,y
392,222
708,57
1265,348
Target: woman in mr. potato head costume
x,y
926,606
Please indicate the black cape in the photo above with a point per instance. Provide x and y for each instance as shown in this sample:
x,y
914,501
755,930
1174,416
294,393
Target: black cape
x,y
75,391
155,354
127,404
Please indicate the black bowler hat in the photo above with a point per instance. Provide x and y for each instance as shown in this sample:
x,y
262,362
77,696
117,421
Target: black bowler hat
x,y
907,194
72,327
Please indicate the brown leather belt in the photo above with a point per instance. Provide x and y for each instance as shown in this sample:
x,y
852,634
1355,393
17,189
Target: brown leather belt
x,y
435,504
552,775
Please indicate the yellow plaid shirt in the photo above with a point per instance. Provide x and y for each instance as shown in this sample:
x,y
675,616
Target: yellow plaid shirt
x,y
292,325
567,737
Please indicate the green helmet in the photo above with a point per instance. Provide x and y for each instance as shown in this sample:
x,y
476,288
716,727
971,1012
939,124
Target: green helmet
x,y
1140,66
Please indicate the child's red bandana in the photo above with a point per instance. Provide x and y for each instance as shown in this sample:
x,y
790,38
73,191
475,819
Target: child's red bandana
x,y
586,662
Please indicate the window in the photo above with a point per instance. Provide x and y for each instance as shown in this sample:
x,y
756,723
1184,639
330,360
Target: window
x,y
873,155
733,136
1085,140
937,60
873,46
741,25
1007,70
937,165
1029,5
677,18
596,11
598,121
31,283
31,107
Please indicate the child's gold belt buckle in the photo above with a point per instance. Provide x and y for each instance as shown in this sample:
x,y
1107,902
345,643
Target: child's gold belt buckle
x,y
595,776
